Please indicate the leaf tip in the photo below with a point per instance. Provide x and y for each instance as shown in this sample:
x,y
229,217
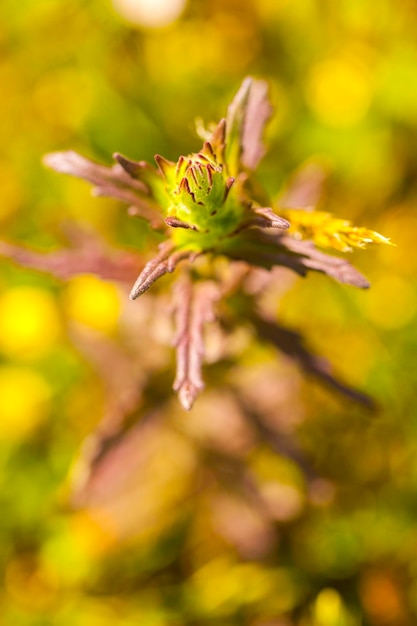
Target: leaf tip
x,y
187,395
59,161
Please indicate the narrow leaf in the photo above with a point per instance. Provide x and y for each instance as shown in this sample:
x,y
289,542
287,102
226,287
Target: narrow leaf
x,y
89,256
76,165
114,182
194,306
165,262
292,344
264,250
258,112
234,127
264,217
336,267
245,122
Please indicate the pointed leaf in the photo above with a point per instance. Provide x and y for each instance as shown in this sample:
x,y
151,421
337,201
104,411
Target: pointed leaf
x,y
165,262
76,165
114,182
258,112
245,122
339,269
292,344
264,250
235,121
194,306
90,256
264,217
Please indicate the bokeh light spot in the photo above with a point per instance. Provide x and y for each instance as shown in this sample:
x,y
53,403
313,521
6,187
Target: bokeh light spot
x,y
62,98
284,502
30,586
382,599
339,91
150,13
329,608
24,399
93,533
93,302
10,190
392,302
29,322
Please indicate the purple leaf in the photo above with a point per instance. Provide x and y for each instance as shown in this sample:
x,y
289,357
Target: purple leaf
x,y
258,112
245,122
292,344
115,182
264,250
165,262
263,217
194,306
336,267
235,120
90,256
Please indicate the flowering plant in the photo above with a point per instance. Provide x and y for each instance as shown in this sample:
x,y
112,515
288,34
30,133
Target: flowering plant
x,y
209,209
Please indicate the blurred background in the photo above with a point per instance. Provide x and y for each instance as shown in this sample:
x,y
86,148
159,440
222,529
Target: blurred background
x,y
198,518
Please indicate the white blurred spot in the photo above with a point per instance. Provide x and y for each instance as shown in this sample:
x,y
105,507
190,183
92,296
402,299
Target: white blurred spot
x,y
151,13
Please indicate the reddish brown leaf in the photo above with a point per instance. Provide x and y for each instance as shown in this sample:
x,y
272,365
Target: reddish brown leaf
x,y
90,256
193,308
258,112
165,262
263,217
114,182
245,123
336,267
291,343
264,250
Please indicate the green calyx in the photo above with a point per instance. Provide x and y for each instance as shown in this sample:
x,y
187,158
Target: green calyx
x,y
202,200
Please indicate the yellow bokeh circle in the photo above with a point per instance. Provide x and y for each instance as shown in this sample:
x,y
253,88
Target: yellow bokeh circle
x,y
150,13
329,609
339,91
10,190
29,322
93,302
24,401
391,302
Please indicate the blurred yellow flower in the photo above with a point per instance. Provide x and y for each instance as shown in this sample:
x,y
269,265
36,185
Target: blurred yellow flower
x,y
93,302
328,231
29,322
24,399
